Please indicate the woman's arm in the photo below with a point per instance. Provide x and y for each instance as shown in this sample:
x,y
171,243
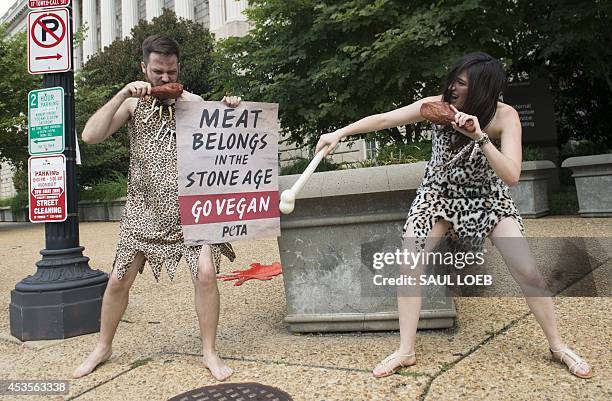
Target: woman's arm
x,y
402,116
507,163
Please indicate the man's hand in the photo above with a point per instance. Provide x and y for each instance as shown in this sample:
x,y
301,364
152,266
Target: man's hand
x,y
136,89
231,101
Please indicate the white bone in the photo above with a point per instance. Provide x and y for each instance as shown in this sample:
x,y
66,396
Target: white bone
x,y
287,202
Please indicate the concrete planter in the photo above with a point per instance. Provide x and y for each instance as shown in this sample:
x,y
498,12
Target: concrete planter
x,y
115,209
88,211
339,216
593,177
531,193
101,210
6,214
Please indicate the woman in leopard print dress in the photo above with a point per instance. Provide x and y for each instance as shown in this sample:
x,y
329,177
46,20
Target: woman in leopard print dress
x,y
464,194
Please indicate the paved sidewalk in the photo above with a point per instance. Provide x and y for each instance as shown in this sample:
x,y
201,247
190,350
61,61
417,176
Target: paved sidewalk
x,y
496,351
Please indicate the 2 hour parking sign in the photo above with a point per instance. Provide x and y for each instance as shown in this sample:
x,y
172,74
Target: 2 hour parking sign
x,y
46,121
49,41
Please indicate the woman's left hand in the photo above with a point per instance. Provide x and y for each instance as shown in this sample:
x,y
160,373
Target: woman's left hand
x,y
232,101
460,120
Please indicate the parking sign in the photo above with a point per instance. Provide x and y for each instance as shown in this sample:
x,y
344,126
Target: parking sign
x,y
47,184
46,121
49,41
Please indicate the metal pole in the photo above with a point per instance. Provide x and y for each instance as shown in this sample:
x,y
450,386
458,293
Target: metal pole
x,y
64,297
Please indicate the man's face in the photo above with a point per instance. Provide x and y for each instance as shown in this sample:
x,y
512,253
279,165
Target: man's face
x,y
459,90
160,69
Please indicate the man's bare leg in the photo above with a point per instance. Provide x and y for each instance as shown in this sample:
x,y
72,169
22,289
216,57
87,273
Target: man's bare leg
x,y
114,303
207,307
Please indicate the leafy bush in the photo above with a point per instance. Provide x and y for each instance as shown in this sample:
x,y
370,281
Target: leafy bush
x,y
106,190
398,153
531,153
565,201
301,163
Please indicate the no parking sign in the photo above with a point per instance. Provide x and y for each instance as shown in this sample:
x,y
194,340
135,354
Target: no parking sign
x,y
49,41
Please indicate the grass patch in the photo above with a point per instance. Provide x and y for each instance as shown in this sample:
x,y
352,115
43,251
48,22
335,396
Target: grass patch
x,y
445,366
409,373
140,362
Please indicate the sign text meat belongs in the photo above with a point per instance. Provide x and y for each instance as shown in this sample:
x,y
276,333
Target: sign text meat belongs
x,y
227,171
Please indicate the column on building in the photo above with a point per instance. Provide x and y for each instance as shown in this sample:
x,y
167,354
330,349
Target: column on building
x,y
216,10
184,9
235,8
108,26
227,18
76,24
129,16
90,17
154,8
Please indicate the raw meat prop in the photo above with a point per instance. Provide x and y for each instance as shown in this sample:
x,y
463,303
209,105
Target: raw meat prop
x,y
167,91
441,113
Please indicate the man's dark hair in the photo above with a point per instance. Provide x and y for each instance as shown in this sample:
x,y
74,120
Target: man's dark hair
x,y
159,44
486,82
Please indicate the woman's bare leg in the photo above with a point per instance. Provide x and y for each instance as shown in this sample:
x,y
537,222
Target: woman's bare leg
x,y
409,306
509,240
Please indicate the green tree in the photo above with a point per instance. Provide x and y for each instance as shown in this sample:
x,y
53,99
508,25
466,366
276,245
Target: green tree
x,y
329,63
15,84
118,64
570,44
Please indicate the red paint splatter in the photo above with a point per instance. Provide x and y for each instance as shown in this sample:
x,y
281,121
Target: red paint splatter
x,y
257,271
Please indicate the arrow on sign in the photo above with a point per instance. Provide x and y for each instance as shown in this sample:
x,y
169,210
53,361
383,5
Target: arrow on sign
x,y
37,141
57,57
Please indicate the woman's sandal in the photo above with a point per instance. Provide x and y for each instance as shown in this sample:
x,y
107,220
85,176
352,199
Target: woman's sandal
x,y
574,363
385,364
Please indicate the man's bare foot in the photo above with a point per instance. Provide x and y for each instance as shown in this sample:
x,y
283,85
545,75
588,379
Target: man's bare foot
x,y
97,357
217,367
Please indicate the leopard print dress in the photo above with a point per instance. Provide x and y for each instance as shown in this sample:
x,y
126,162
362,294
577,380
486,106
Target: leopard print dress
x,y
461,188
151,222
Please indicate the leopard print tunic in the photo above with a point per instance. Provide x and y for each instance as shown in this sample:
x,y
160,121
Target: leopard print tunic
x,y
150,222
462,189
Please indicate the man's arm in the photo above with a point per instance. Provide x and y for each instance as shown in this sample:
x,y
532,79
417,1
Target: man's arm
x,y
115,113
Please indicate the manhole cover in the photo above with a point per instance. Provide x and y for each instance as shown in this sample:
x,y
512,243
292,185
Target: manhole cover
x,y
234,392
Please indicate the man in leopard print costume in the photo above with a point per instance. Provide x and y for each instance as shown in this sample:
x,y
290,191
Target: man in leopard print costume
x,y
464,194
150,227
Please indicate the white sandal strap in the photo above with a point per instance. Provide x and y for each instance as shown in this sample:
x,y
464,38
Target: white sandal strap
x,y
577,362
391,357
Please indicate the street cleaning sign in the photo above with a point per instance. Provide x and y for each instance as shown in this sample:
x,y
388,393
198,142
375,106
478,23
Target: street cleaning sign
x,y
49,41
46,121
227,171
47,187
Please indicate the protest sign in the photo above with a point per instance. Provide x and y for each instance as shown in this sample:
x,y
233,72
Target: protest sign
x,y
227,171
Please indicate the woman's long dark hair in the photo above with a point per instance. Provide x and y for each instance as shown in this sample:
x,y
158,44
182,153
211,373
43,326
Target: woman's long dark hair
x,y
486,82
